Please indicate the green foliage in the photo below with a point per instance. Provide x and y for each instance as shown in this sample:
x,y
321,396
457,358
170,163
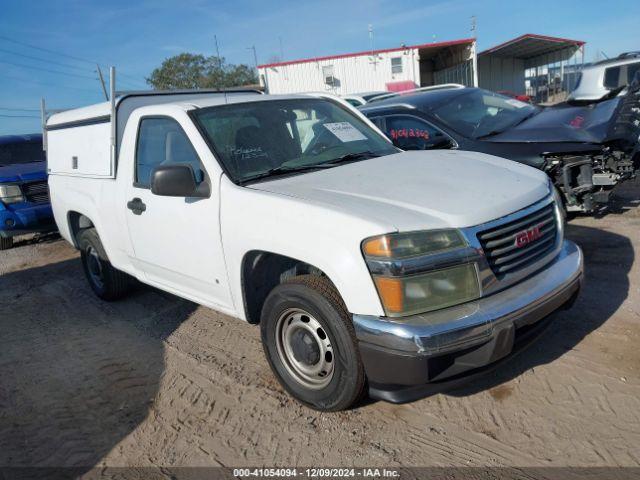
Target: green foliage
x,y
189,71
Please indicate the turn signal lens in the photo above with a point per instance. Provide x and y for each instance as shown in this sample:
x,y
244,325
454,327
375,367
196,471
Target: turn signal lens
x,y
391,293
403,245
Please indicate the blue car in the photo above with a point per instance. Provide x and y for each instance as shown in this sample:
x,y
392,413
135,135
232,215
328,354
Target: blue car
x,y
24,193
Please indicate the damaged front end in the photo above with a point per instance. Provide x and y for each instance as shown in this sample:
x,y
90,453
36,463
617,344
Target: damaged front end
x,y
586,179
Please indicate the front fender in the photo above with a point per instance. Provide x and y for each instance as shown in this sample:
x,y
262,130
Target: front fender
x,y
326,239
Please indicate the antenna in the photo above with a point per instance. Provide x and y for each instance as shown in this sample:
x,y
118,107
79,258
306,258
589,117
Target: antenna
x,y
104,88
281,50
474,26
215,38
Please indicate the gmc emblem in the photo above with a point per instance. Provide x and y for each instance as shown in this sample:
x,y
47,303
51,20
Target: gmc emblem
x,y
525,237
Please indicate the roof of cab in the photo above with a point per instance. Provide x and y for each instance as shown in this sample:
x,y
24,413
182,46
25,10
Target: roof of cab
x,y
185,100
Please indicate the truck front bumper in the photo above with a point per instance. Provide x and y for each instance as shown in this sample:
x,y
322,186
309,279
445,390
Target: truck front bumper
x,y
415,356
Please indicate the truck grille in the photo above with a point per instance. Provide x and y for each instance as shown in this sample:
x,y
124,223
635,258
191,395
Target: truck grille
x,y
36,192
516,245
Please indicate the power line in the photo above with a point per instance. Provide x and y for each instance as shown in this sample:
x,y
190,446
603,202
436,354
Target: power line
x,y
18,116
73,57
40,59
11,109
47,70
47,84
79,59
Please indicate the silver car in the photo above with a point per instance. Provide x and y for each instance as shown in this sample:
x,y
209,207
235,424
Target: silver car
x,y
606,76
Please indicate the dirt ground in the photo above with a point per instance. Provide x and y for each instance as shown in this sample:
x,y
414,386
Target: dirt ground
x,y
155,380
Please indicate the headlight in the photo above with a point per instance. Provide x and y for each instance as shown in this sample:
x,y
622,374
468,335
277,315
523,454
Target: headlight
x,y
403,245
446,275
11,194
428,291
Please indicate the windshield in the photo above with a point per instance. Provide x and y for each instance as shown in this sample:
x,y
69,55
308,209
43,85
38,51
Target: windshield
x,y
22,152
479,113
252,139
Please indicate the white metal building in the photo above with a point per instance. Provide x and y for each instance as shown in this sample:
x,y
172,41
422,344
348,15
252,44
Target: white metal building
x,y
392,69
506,67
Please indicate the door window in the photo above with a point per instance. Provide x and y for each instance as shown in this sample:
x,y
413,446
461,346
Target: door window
x,y
611,77
161,141
412,133
632,70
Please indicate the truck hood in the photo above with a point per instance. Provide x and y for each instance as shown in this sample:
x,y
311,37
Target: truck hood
x,y
23,172
420,189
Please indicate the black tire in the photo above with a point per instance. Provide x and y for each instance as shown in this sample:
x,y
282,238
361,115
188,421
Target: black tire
x,y
317,296
108,283
6,243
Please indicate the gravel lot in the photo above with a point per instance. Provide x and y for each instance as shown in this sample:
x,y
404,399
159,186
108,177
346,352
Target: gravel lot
x,y
155,380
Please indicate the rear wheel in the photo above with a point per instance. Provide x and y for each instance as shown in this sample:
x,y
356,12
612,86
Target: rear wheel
x,y
107,282
309,341
6,243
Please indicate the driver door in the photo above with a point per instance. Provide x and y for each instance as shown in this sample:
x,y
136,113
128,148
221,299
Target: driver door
x,y
176,241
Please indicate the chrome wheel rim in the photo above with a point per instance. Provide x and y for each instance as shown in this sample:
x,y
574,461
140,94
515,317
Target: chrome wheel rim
x,y
305,349
94,267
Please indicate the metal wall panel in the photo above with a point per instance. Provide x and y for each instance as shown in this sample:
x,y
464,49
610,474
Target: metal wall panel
x,y
355,74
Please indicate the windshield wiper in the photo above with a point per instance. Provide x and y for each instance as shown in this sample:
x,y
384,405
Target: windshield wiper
x,y
496,132
282,170
350,157
286,169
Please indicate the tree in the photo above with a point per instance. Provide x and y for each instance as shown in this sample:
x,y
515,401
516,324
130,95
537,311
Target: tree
x,y
189,71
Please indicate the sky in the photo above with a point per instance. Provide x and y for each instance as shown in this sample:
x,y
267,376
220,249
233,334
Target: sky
x,y
136,36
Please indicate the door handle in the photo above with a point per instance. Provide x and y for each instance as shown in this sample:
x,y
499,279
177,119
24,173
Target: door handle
x,y
136,206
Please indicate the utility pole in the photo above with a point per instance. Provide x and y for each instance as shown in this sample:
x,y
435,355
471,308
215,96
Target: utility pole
x,y
215,37
474,50
255,56
104,88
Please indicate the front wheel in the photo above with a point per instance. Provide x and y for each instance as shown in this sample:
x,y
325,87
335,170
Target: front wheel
x,y
310,343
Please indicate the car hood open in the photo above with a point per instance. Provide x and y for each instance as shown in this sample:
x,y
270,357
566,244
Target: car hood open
x,y
564,123
420,190
614,121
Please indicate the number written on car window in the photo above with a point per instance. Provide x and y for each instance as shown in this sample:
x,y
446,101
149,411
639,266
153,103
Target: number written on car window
x,y
412,133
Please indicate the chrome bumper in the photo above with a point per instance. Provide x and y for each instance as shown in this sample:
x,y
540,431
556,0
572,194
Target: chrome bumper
x,y
492,320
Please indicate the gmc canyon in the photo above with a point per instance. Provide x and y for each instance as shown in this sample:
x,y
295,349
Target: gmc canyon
x,y
368,269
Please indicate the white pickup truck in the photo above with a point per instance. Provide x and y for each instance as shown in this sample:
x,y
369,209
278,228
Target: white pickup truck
x,y
368,269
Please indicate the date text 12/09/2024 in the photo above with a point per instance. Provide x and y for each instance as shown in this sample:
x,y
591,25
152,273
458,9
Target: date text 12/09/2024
x,y
316,472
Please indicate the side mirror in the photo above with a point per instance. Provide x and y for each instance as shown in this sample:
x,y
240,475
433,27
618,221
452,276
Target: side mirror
x,y
177,180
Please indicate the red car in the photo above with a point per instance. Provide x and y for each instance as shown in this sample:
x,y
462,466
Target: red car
x,y
522,98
